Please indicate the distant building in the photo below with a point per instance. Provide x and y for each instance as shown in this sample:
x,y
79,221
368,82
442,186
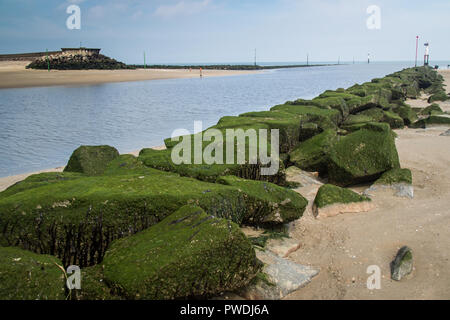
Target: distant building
x,y
35,55
80,50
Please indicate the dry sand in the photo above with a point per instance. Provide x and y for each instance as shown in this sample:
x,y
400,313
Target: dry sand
x,y
345,245
14,75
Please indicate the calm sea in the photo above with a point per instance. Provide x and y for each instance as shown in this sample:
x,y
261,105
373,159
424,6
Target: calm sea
x,y
40,127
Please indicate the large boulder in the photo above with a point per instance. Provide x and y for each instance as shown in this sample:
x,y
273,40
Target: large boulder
x,y
362,156
188,254
75,217
312,154
433,120
25,275
438,96
91,160
271,203
332,200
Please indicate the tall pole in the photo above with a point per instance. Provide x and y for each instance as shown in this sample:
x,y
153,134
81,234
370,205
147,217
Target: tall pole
x,y
417,47
48,61
307,59
144,61
255,57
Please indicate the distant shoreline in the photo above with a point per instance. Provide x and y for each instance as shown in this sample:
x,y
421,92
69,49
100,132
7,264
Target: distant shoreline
x,y
14,75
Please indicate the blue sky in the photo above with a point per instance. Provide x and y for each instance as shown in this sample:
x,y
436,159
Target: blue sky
x,y
176,31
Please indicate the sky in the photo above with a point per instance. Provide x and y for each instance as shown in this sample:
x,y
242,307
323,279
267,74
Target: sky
x,y
211,31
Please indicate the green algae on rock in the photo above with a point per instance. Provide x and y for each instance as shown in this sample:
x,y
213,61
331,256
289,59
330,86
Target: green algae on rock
x,y
91,160
395,176
25,275
312,154
270,203
329,194
188,254
361,156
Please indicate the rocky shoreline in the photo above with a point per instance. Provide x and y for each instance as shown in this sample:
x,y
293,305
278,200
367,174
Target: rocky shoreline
x,y
108,213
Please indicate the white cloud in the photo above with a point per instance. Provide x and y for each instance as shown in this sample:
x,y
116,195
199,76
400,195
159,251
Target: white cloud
x,y
182,8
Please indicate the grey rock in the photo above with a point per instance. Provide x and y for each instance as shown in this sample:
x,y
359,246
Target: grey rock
x,y
403,190
402,265
283,277
446,133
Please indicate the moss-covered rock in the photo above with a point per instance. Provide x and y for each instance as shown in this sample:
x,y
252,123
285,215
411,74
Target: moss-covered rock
x,y
438,96
395,176
312,154
93,286
91,160
270,203
405,112
329,194
361,156
432,109
439,120
393,119
162,160
75,217
188,254
25,275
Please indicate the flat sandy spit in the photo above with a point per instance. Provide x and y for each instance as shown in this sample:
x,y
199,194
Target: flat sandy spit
x,y
14,75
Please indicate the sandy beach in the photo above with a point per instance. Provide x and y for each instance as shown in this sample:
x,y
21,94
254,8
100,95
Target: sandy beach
x,y
344,246
14,75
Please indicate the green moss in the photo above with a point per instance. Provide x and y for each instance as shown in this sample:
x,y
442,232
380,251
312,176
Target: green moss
x,y
26,275
329,194
162,160
301,110
272,203
362,156
312,154
405,112
91,160
438,96
93,286
432,109
125,164
356,119
431,120
394,120
187,254
395,176
77,219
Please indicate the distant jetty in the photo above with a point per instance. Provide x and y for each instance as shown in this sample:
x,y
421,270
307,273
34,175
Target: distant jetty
x,y
236,67
77,59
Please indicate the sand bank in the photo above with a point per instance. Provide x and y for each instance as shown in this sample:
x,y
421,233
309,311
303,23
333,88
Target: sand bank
x,y
14,75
